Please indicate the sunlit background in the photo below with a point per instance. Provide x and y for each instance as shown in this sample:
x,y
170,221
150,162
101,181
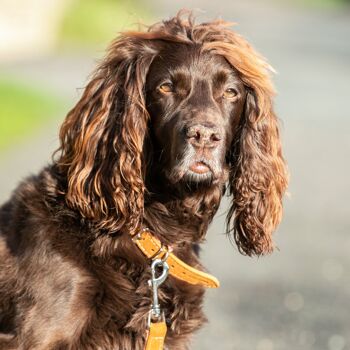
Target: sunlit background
x,y
296,299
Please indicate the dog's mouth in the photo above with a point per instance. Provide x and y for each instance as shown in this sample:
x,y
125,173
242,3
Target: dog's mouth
x,y
199,167
195,180
199,172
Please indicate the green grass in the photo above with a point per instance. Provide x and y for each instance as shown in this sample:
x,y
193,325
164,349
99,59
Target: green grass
x,y
89,23
23,109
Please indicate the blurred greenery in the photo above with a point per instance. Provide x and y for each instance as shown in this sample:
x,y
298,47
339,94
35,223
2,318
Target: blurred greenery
x,y
24,108
327,4
86,24
96,22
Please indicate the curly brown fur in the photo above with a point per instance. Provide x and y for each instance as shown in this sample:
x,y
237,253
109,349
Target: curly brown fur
x,y
138,150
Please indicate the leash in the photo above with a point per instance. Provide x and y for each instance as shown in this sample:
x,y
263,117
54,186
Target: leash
x,y
156,330
165,262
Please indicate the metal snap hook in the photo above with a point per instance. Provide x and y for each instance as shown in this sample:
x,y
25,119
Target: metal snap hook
x,y
155,283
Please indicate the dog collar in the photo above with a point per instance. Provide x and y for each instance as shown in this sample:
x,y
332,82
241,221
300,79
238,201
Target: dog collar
x,y
153,249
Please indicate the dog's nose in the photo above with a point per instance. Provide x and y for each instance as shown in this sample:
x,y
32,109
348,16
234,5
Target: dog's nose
x,y
203,136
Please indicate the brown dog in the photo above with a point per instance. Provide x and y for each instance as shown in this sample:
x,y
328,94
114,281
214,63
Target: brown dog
x,y
171,119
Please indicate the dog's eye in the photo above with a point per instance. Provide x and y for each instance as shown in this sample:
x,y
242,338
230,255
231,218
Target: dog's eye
x,y
166,88
230,94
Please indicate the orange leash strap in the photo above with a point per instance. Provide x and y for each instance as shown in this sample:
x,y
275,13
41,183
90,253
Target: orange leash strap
x,y
156,336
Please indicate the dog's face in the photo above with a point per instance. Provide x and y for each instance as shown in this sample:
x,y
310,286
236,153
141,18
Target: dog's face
x,y
195,100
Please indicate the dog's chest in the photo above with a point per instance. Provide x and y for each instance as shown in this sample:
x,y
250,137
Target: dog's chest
x,y
125,299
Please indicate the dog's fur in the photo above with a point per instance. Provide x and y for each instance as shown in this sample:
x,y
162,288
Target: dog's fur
x,y
172,118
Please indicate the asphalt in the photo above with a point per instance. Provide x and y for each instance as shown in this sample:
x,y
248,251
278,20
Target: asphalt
x,y
297,298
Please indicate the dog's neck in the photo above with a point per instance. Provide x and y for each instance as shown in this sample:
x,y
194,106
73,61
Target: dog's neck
x,y
180,223
183,216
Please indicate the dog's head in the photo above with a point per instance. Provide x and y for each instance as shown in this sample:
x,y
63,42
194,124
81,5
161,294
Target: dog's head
x,y
195,99
203,97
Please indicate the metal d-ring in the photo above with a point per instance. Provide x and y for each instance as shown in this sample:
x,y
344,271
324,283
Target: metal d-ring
x,y
168,250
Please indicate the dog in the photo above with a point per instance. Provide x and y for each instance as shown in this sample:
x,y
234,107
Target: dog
x,y
173,118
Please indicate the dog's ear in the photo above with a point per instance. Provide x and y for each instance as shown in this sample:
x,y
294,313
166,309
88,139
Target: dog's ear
x,y
102,138
258,176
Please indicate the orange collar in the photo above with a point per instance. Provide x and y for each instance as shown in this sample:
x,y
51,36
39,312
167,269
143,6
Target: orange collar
x,y
152,248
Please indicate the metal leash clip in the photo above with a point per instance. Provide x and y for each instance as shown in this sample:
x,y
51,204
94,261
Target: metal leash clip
x,y
154,283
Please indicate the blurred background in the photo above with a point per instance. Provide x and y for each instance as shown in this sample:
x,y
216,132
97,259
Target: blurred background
x,y
299,297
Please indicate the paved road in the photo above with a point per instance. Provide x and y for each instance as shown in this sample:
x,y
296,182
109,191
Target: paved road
x,y
298,298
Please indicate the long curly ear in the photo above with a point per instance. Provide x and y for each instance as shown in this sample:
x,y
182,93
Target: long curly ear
x,y
102,138
258,177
